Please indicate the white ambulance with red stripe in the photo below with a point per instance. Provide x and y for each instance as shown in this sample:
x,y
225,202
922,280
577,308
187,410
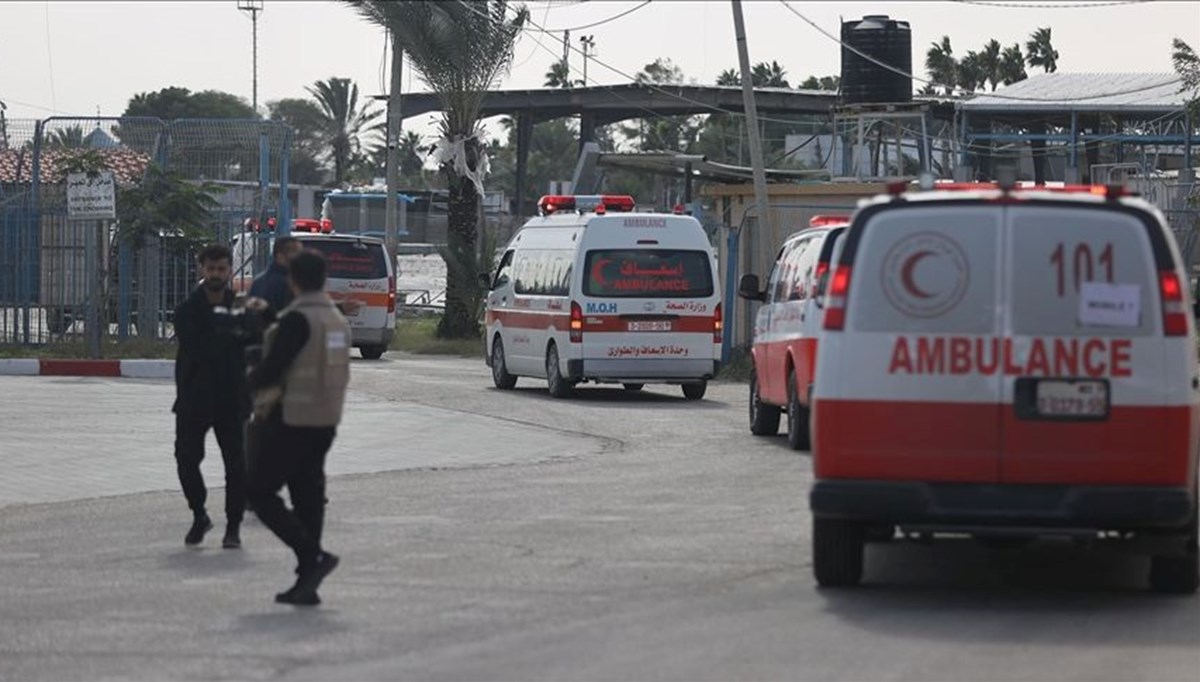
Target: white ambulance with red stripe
x,y
590,291
786,328
1009,364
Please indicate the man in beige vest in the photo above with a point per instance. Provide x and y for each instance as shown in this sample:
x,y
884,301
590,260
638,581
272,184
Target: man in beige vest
x,y
299,390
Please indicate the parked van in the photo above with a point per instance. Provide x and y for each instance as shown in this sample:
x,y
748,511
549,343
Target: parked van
x,y
1009,364
786,329
590,291
360,279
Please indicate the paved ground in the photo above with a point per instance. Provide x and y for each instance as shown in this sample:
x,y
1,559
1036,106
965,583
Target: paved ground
x,y
491,535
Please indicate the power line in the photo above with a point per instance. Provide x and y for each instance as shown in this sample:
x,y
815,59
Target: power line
x,y
49,57
1014,98
52,110
597,23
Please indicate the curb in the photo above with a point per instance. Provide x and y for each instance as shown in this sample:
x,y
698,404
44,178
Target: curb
x,y
131,369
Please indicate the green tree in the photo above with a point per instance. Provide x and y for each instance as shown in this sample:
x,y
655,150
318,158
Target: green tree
x,y
1012,65
729,77
70,137
991,63
344,122
822,83
174,102
1040,52
459,49
941,65
167,206
559,76
971,74
772,75
308,139
1187,65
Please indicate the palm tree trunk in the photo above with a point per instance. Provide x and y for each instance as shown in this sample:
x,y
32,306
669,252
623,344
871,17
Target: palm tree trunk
x,y
461,317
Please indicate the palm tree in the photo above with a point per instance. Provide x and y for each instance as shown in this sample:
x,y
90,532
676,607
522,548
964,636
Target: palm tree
x,y
66,138
772,75
1187,65
970,72
1012,65
939,62
1039,51
459,49
990,62
729,77
344,122
559,75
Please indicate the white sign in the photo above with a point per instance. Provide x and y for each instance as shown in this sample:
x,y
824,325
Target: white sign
x,y
91,197
1110,305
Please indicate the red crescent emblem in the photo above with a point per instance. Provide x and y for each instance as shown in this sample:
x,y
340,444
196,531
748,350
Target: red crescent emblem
x,y
906,274
598,271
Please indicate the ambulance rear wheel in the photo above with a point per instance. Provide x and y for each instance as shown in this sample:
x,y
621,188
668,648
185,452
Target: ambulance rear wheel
x,y
695,390
372,352
837,552
634,387
500,376
1179,574
764,418
558,385
797,417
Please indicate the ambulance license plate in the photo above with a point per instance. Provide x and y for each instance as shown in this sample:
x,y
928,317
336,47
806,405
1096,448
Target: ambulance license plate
x,y
1078,399
650,325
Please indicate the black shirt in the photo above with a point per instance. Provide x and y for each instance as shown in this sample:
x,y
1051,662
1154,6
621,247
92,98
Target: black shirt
x,y
210,366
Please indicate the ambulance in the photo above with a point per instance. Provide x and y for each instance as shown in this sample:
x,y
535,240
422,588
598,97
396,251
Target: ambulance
x,y
1010,365
786,328
589,291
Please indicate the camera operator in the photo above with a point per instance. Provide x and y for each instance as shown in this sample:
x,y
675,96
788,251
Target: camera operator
x,y
210,392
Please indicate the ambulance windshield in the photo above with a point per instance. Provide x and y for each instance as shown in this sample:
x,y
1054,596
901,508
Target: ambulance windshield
x,y
648,273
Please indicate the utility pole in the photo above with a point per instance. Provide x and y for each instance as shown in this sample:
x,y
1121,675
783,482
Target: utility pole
x,y
253,7
589,44
566,46
394,119
762,226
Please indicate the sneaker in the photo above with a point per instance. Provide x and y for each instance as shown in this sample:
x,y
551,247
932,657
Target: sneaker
x,y
233,539
200,526
298,596
311,579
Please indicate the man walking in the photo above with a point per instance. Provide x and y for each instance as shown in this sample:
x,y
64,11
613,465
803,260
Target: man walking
x,y
210,393
300,390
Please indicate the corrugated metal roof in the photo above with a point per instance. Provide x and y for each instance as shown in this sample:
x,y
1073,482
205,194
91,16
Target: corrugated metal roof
x,y
1095,92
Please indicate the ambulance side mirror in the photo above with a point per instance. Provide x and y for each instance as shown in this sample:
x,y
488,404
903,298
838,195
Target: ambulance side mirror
x,y
1196,300
485,281
748,288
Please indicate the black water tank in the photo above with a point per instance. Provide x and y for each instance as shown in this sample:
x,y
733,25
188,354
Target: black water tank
x,y
886,40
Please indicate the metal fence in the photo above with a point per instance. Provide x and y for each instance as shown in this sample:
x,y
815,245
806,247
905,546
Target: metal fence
x,y
55,272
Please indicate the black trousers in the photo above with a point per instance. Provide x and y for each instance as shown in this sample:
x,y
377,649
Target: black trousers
x,y
190,431
293,456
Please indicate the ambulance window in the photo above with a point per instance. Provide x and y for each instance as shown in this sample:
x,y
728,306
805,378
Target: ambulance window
x,y
346,259
523,273
777,271
801,286
1059,250
504,271
927,269
648,273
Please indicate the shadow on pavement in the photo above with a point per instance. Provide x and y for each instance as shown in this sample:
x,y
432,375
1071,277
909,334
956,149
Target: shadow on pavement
x,y
957,590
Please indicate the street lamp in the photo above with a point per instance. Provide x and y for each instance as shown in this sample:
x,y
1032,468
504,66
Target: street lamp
x,y
253,7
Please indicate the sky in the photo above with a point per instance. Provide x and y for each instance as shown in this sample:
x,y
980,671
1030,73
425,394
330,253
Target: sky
x,y
77,58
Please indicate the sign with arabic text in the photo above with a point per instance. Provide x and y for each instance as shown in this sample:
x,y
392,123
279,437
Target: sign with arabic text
x,y
91,196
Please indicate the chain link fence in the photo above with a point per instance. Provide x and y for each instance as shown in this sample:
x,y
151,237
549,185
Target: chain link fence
x,y
59,275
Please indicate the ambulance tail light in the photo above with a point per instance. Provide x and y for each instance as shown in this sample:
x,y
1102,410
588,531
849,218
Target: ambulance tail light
x,y
391,307
576,323
835,303
718,325
1174,316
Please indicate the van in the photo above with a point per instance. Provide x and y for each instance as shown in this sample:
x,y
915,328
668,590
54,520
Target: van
x,y
786,329
590,291
361,280
1011,365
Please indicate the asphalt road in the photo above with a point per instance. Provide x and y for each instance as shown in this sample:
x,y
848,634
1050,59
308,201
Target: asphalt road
x,y
491,535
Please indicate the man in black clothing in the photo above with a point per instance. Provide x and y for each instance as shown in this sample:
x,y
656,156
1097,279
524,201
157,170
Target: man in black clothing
x,y
299,393
210,393
272,285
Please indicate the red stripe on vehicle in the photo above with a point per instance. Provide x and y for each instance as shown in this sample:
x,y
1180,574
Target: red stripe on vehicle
x,y
80,368
530,319
985,442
